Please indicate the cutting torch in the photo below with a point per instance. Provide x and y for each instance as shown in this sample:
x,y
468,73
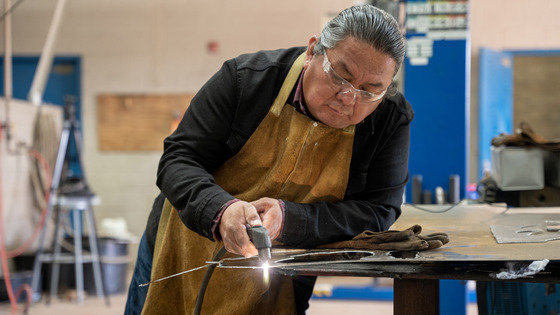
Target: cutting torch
x,y
260,238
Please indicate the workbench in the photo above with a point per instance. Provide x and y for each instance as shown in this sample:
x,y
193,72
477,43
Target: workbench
x,y
471,254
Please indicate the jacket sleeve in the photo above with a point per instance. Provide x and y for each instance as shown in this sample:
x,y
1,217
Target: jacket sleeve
x,y
378,174
196,149
219,120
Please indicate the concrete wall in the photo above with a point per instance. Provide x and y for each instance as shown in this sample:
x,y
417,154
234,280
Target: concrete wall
x,y
155,46
160,46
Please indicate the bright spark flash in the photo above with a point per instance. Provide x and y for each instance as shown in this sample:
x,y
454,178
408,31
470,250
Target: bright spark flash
x,y
265,267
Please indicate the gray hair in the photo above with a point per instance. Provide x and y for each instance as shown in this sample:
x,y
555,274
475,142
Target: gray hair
x,y
370,25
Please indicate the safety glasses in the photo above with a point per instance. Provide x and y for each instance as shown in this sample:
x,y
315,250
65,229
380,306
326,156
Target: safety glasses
x,y
346,87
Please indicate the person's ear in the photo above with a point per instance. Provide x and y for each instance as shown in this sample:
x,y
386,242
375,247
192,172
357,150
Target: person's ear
x,y
309,53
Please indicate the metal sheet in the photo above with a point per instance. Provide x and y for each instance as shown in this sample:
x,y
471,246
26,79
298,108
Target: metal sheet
x,y
469,230
282,257
526,233
472,252
471,238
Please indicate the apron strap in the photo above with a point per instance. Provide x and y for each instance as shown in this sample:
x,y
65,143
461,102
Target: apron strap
x,y
288,85
164,219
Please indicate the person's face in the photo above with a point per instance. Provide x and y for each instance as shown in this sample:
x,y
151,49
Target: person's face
x,y
365,68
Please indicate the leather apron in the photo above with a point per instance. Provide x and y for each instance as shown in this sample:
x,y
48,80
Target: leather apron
x,y
288,157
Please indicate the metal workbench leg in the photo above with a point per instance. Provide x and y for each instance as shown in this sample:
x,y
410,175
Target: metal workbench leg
x,y
416,296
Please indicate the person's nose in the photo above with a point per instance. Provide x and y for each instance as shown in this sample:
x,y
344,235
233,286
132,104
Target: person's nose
x,y
347,97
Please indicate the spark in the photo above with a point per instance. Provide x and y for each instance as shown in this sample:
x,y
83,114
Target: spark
x,y
266,267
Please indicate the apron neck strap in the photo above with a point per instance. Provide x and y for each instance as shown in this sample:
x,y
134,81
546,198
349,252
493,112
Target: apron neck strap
x,y
288,85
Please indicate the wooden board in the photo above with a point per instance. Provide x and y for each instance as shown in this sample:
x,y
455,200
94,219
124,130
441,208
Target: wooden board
x,y
138,122
536,93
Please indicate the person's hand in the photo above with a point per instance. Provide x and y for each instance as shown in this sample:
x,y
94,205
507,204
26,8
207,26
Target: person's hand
x,y
233,228
271,215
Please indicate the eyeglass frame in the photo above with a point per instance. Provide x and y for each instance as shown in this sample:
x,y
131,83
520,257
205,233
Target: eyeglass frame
x,y
335,78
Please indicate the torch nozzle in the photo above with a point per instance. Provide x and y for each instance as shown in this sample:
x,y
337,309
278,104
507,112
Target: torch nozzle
x,y
260,238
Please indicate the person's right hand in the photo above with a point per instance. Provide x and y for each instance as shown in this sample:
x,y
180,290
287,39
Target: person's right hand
x,y
271,214
233,228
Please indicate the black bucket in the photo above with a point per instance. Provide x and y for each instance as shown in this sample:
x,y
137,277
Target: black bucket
x,y
17,279
114,265
114,268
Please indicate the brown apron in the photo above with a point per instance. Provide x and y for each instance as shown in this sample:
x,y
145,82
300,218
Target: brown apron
x,y
288,157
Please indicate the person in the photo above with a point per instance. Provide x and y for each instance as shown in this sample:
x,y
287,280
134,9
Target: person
x,y
310,142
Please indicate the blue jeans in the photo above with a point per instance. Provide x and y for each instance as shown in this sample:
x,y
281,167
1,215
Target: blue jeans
x,y
142,273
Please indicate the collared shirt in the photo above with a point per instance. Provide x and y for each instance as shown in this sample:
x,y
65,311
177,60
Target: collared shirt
x,y
299,101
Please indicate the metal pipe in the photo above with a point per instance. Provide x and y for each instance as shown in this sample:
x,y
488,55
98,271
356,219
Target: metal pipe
x,y
454,188
8,86
417,189
45,62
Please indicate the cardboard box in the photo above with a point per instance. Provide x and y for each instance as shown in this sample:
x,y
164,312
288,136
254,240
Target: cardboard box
x,y
517,168
552,168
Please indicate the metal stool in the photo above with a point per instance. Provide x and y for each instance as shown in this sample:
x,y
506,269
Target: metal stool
x,y
78,202
77,205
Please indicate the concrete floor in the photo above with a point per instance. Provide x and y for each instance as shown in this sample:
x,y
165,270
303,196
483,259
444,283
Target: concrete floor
x,y
94,306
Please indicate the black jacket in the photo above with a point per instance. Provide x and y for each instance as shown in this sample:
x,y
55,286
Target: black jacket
x,y
221,118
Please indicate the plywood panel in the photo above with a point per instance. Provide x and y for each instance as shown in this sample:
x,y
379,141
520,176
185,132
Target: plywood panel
x,y
536,93
138,122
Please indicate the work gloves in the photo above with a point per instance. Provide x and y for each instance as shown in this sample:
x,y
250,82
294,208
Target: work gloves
x,y
526,137
405,240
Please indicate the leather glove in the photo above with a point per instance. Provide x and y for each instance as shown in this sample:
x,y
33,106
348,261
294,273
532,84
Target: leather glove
x,y
526,137
405,240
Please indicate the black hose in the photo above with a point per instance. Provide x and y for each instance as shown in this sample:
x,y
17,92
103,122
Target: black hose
x,y
205,280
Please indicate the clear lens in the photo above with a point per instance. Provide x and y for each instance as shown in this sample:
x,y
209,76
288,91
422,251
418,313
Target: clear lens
x,y
342,85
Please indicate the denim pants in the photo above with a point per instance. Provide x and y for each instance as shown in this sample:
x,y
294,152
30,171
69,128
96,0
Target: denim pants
x,y
142,273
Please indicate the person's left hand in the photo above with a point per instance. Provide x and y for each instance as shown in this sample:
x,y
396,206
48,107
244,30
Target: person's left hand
x,y
271,215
